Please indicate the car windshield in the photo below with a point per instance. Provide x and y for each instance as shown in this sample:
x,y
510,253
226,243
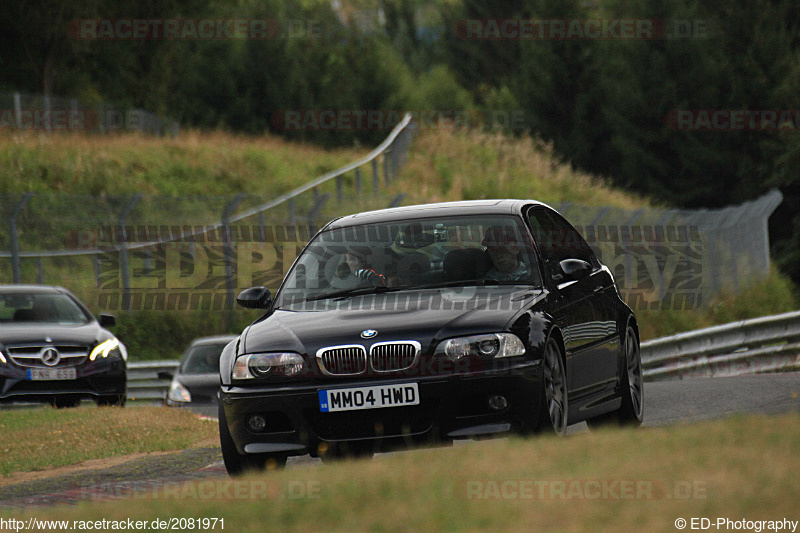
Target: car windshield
x,y
202,359
410,255
48,308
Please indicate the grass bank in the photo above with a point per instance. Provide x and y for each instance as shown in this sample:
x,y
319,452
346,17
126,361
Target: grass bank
x,y
191,164
630,480
45,438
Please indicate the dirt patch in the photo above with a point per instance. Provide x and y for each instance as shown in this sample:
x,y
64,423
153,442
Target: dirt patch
x,y
92,464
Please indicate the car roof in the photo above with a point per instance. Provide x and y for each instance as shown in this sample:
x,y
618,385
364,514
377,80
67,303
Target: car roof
x,y
213,340
39,289
467,207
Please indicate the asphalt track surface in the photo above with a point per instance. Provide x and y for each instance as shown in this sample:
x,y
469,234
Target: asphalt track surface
x,y
666,403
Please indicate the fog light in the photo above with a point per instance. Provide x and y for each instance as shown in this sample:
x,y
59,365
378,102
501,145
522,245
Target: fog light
x,y
256,423
497,402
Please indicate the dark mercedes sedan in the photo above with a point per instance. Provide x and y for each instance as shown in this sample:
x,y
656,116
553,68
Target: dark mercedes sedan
x,y
426,324
52,349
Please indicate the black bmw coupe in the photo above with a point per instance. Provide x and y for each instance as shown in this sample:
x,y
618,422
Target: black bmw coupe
x,y
425,324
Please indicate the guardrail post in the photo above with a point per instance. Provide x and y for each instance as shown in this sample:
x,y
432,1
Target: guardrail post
x,y
229,254
123,252
12,229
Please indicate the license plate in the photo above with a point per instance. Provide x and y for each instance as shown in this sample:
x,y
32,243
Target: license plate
x,y
40,374
368,397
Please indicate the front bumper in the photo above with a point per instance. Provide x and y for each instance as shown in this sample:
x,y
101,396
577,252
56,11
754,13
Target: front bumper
x,y
93,379
450,407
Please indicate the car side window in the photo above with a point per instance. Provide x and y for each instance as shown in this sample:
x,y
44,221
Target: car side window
x,y
558,240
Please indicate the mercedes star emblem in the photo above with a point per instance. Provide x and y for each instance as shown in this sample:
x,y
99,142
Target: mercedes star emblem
x,y
50,356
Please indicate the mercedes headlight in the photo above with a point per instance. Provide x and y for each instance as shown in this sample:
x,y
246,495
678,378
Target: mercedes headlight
x,y
260,365
106,348
494,345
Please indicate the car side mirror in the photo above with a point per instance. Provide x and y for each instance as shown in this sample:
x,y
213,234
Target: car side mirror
x,y
575,269
106,320
255,298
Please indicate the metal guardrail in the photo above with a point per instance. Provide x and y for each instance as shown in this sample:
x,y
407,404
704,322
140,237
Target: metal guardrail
x,y
755,346
143,380
758,345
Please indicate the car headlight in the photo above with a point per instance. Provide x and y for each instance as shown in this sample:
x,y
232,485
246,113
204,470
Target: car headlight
x,y
2,358
494,345
178,393
259,365
106,348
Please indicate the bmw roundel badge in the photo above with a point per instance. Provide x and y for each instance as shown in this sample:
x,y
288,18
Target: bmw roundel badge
x,y
368,333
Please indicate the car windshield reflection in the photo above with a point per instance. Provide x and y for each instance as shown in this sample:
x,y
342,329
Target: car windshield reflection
x,y
412,255
21,308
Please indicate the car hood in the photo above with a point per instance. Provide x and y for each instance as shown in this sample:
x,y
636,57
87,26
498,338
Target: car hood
x,y
424,316
58,333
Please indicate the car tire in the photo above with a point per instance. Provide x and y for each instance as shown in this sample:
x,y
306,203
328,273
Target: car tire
x,y
631,411
65,403
115,400
555,415
237,464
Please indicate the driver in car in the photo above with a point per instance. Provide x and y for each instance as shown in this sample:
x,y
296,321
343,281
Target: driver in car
x,y
503,247
358,268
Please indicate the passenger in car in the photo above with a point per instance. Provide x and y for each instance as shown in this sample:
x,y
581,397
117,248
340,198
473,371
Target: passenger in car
x,y
503,247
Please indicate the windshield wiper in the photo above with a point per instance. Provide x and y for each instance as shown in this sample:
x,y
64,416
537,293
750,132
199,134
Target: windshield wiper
x,y
353,292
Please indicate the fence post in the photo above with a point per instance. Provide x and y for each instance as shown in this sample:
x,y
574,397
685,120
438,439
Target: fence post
x,y
12,228
339,190
358,183
229,254
123,253
386,167
312,214
375,181
292,212
49,121
18,109
397,200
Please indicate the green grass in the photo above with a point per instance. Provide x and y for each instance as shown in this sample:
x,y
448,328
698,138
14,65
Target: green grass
x,y
45,438
742,467
192,164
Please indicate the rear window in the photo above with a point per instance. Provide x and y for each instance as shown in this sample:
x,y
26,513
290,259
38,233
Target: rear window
x,y
202,359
